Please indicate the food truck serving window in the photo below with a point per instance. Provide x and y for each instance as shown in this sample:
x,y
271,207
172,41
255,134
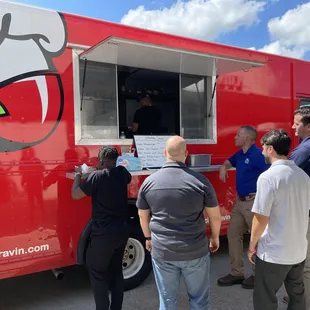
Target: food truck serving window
x,y
110,75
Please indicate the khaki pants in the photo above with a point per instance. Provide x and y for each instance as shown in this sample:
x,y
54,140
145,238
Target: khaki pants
x,y
240,223
307,272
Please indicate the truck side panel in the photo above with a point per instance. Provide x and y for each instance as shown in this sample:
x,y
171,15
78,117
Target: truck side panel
x,y
40,223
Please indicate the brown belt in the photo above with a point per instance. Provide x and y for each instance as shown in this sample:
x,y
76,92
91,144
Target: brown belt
x,y
247,198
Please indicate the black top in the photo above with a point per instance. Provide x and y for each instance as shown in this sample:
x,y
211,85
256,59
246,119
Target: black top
x,y
108,189
148,118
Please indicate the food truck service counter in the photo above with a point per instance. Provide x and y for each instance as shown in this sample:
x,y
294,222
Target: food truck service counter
x,y
70,175
150,157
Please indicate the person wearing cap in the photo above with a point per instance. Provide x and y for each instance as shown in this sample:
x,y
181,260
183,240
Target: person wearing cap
x,y
147,119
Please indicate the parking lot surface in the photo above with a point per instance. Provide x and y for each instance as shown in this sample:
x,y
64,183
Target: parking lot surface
x,y
42,291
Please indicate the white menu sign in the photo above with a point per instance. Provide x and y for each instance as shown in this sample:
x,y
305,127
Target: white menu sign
x,y
151,150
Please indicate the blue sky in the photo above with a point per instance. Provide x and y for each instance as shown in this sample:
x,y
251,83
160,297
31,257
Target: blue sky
x,y
241,23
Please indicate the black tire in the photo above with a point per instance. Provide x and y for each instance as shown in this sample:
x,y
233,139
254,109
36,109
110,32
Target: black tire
x,y
140,274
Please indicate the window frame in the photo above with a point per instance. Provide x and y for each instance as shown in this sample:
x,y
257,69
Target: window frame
x,y
212,125
305,99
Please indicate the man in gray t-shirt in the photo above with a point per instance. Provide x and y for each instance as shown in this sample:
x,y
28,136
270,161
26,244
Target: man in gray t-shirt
x,y
176,235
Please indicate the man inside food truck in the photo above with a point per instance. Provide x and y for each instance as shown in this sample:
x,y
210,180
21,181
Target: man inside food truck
x,y
147,119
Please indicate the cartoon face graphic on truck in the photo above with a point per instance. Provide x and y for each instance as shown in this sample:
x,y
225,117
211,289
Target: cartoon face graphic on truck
x,y
31,91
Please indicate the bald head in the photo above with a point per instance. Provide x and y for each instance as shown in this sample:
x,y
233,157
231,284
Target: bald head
x,y
176,149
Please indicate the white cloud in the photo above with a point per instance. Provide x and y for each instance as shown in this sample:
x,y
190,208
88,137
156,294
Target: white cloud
x,y
280,49
201,19
290,33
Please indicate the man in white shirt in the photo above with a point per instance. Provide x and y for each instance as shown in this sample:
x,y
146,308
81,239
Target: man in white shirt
x,y
280,224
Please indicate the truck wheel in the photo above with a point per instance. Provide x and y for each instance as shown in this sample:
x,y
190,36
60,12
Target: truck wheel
x,y
137,263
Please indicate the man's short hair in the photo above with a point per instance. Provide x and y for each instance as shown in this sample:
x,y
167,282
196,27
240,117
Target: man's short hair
x,y
305,115
279,140
251,131
108,152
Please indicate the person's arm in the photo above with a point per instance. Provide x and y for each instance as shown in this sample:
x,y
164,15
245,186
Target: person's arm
x,y
144,212
259,224
301,157
76,191
86,188
134,127
136,121
261,208
229,163
214,214
145,216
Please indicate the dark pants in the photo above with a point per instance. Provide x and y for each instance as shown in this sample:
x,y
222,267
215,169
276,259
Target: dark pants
x,y
104,259
268,280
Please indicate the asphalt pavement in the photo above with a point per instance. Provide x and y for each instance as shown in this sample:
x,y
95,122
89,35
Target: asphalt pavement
x,y
42,291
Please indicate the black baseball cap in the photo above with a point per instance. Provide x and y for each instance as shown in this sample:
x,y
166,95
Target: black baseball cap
x,y
143,95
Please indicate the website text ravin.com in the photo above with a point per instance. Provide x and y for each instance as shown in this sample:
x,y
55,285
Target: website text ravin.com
x,y
23,251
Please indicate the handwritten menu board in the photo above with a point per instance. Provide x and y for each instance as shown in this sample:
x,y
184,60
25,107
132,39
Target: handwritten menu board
x,y
151,150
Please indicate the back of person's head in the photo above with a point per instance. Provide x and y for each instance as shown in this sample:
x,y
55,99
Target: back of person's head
x,y
279,140
304,112
176,149
107,156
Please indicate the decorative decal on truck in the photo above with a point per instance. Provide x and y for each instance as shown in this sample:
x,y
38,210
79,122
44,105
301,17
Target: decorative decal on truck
x,y
31,91
22,251
224,218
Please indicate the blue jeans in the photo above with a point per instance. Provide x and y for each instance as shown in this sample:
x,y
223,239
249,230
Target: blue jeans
x,y
196,274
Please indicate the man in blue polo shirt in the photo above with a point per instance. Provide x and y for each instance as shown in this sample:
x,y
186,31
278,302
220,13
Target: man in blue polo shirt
x,y
301,156
249,163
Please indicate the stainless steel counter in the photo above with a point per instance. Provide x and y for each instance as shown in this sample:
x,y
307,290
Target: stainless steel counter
x,y
70,175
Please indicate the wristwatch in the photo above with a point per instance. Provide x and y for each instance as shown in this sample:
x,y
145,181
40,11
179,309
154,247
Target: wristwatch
x,y
78,173
148,238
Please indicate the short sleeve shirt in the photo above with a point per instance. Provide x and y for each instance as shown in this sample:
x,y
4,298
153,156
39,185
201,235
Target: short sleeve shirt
x,y
283,195
108,191
177,196
148,118
249,166
301,155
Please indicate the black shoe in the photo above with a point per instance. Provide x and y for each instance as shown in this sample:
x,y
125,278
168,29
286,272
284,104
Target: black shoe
x,y
230,280
248,283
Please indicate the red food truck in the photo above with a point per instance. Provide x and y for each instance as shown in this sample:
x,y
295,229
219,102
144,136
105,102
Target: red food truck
x,y
68,85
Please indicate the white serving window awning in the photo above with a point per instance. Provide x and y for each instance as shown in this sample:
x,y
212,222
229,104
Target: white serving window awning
x,y
119,51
